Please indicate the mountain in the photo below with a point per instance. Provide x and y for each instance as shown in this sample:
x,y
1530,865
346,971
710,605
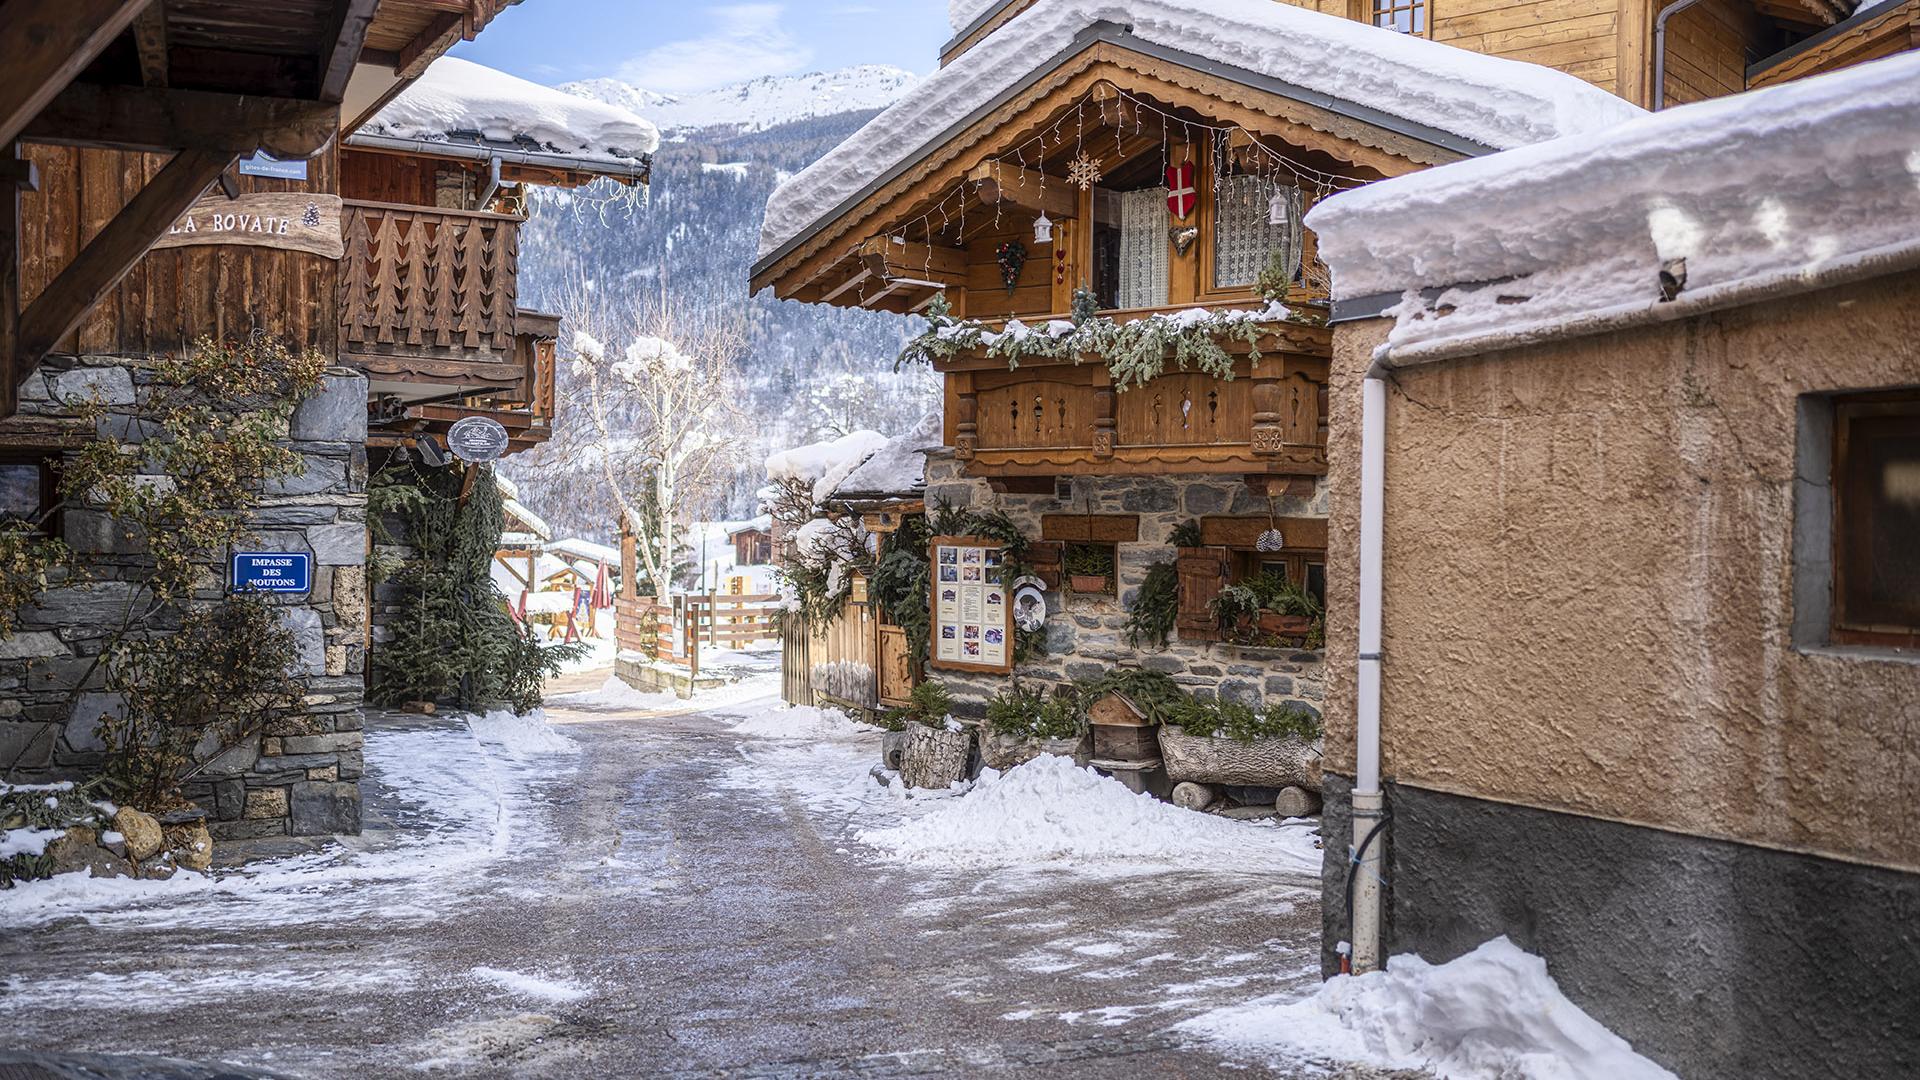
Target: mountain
x,y
810,371
759,105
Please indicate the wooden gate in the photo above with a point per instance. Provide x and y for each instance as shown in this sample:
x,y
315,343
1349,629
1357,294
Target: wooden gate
x,y
796,663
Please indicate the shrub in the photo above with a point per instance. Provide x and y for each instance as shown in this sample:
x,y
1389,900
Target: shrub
x,y
930,703
1031,714
1231,720
1155,694
1156,608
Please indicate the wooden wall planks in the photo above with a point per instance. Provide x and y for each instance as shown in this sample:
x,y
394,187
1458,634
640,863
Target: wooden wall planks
x,y
174,296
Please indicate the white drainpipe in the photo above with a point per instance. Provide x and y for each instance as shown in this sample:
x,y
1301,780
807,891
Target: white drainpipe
x,y
1367,798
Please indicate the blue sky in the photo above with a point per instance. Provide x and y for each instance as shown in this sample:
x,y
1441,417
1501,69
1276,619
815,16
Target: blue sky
x,y
682,46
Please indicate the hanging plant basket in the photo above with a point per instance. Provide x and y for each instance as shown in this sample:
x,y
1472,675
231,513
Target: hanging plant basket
x,y
1012,257
1286,762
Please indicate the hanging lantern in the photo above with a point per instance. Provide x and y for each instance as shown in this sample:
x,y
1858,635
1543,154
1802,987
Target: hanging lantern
x,y
1043,229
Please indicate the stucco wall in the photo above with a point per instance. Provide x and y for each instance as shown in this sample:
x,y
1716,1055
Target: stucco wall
x,y
1589,580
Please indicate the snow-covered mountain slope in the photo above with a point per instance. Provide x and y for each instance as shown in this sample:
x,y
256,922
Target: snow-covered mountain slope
x,y
760,104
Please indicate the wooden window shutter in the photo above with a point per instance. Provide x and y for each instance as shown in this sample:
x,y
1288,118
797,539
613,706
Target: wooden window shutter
x,y
1203,573
1046,557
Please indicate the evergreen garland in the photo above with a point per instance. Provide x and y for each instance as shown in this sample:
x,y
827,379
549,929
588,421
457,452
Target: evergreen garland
x,y
1135,352
454,641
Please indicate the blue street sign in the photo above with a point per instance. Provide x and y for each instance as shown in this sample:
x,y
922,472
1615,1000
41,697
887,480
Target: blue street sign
x,y
264,164
272,571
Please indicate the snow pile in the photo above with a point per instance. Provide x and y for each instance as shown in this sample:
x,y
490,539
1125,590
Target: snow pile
x,y
1491,101
27,841
1787,188
615,693
460,98
897,468
825,464
520,735
559,991
1049,809
964,13
797,722
1493,1014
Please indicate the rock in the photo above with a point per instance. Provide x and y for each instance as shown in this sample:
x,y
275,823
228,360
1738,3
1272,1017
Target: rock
x,y
1296,802
34,645
109,385
337,412
141,831
27,745
191,846
338,545
229,799
1191,796
234,761
319,808
1247,813
83,724
310,639
1201,499
266,803
80,850
320,474
1239,692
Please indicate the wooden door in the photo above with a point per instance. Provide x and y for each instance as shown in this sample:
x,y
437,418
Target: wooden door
x,y
896,666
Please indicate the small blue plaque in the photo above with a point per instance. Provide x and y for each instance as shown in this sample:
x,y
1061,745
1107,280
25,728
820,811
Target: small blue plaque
x,y
264,164
272,571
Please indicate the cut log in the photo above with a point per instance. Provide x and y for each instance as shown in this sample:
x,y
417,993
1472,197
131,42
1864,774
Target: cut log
x,y
1191,796
935,758
1294,802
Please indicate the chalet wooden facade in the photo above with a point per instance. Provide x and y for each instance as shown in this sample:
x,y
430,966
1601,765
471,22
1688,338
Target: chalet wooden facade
x,y
1128,312
1650,52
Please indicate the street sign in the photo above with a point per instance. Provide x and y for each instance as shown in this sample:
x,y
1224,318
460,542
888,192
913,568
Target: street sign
x,y
272,571
265,164
478,439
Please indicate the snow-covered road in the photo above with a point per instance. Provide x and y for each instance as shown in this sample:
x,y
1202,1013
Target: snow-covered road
x,y
629,892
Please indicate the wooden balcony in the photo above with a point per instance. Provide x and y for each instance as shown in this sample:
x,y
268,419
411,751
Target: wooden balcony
x,y
429,310
1063,418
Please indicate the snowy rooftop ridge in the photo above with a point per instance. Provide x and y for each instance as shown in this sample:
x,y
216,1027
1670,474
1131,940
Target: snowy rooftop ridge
x,y
1479,99
899,468
460,102
1780,190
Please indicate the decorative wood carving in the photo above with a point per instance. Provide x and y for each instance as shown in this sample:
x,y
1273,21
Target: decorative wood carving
x,y
432,282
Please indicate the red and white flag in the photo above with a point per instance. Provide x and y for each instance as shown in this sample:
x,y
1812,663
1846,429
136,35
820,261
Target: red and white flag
x,y
1182,196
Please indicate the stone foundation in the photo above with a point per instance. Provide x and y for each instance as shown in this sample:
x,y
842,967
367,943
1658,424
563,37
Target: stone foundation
x,y
300,776
1086,635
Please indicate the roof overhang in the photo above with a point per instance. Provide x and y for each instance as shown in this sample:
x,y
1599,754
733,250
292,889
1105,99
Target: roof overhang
x,y
635,171
1368,128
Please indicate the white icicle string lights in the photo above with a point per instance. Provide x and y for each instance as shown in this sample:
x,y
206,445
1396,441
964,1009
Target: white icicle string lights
x,y
1322,183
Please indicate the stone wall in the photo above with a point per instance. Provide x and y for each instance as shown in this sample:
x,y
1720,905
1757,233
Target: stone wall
x,y
1086,636
300,776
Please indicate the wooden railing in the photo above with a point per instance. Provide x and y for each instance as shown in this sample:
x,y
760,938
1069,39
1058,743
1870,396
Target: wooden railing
x,y
433,283
678,630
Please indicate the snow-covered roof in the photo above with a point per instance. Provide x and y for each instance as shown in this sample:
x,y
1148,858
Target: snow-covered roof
x,y
585,549
763,523
962,14
1779,190
461,103
898,469
1480,101
517,512
825,464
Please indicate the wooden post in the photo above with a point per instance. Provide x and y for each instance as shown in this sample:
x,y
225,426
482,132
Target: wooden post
x,y
12,374
966,416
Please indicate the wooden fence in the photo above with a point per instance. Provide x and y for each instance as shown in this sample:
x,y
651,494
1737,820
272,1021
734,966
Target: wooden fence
x,y
679,630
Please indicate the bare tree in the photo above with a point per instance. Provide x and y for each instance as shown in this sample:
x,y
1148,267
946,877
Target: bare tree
x,y
655,406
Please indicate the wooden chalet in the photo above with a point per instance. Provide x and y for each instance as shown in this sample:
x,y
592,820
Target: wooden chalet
x,y
1650,52
118,116
429,289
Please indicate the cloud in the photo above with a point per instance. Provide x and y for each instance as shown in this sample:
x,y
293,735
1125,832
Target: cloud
x,y
745,41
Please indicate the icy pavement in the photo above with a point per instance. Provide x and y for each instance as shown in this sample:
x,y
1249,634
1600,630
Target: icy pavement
x,y
637,891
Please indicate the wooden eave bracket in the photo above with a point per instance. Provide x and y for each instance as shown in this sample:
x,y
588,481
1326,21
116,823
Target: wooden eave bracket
x,y
47,43
161,120
997,182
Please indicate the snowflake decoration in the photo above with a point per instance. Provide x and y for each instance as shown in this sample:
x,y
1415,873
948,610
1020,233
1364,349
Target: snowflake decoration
x,y
1083,171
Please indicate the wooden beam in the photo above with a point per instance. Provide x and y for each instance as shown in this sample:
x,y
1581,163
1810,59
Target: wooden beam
x,y
18,172
48,42
860,276
340,49
140,118
998,182
12,372
437,38
150,38
93,273
934,264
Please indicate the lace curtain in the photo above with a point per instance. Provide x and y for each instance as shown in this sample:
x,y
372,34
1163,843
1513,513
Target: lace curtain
x,y
1144,222
1245,236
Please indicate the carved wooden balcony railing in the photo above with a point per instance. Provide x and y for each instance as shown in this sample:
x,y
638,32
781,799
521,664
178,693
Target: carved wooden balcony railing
x,y
1061,418
429,295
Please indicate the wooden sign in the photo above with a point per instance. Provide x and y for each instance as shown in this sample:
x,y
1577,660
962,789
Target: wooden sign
x,y
295,222
972,606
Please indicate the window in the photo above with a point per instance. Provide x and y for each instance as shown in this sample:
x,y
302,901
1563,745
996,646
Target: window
x,y
1254,220
1876,520
1406,16
28,487
1307,569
